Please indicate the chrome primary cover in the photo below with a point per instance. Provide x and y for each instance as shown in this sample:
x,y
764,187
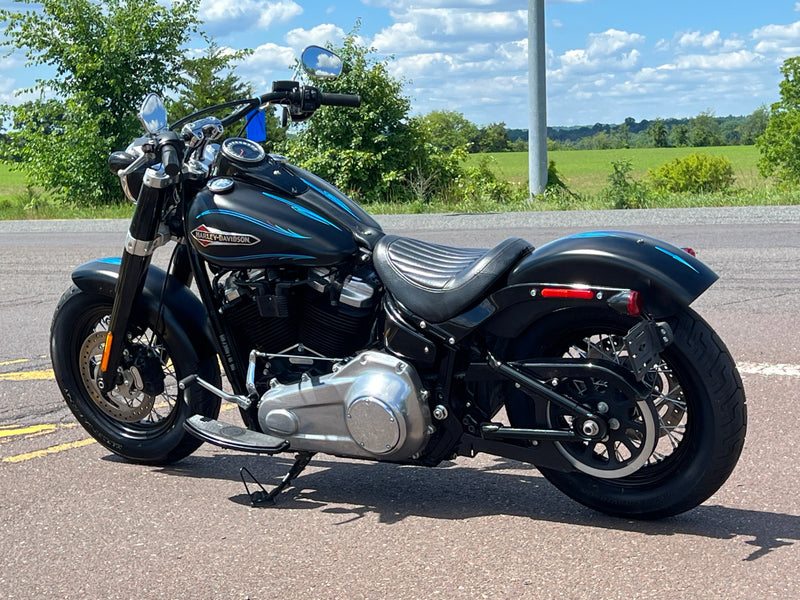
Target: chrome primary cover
x,y
372,406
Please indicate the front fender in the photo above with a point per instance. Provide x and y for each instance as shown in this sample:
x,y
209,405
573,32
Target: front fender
x,y
180,307
661,272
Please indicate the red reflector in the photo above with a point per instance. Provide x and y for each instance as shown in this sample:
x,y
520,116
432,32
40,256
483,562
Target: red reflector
x,y
567,293
634,303
689,251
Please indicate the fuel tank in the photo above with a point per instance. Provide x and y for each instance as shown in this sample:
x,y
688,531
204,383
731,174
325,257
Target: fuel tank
x,y
275,214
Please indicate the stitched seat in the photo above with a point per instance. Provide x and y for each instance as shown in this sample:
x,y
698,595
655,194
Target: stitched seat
x,y
438,282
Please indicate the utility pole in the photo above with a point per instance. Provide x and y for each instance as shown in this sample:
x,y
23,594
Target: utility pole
x,y
537,132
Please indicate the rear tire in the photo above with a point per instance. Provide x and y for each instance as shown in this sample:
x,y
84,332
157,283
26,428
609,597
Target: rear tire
x,y
139,426
700,402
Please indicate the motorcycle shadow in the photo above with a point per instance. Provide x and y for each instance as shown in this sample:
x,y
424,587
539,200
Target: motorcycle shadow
x,y
464,490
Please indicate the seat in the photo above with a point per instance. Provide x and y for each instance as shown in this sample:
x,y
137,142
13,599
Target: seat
x,y
438,282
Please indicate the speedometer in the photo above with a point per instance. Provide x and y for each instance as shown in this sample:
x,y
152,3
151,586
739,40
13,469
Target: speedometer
x,y
243,150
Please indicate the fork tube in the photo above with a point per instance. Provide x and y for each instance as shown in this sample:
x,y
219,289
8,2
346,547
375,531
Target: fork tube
x,y
132,273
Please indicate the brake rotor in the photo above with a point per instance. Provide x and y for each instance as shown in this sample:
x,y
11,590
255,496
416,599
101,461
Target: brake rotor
x,y
127,402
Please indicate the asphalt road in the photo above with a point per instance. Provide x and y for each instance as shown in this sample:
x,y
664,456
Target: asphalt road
x,y
76,522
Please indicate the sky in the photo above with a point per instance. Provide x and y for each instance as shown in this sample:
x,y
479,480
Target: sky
x,y
606,59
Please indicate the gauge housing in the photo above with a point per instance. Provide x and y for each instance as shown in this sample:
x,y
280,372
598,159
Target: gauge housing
x,y
242,150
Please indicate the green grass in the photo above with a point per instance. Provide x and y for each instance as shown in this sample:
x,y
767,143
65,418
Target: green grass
x,y
585,171
20,202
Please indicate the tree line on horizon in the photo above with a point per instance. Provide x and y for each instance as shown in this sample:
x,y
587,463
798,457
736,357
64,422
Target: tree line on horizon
x,y
453,130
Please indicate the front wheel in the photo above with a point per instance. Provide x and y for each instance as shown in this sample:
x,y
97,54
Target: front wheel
x,y
698,401
141,419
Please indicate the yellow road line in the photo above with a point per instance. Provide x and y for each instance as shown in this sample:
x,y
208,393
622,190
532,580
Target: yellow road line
x,y
13,362
9,430
45,451
31,430
28,375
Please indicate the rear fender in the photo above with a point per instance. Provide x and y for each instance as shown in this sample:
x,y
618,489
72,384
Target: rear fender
x,y
180,308
664,274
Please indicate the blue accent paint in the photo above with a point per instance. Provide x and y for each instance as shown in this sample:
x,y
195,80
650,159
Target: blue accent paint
x,y
255,256
330,197
110,261
676,257
302,210
594,234
275,228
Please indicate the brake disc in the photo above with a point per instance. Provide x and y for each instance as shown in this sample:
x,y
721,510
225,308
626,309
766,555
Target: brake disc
x,y
126,402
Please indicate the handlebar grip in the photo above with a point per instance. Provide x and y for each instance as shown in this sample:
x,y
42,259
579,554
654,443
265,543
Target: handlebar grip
x,y
171,160
351,100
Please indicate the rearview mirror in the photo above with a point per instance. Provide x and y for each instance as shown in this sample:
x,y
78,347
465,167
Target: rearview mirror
x,y
321,63
153,114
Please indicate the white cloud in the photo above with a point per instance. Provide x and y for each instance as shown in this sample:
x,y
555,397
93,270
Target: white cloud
x,y
221,17
319,36
695,39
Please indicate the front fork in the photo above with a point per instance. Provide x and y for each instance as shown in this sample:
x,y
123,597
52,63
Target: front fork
x,y
140,243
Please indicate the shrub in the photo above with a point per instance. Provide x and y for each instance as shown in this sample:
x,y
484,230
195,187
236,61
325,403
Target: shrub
x,y
623,190
696,173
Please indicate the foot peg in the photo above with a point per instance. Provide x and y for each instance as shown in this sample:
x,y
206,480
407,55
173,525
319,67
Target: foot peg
x,y
230,436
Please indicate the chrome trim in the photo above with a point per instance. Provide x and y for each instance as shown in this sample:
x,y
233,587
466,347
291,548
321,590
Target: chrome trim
x,y
157,179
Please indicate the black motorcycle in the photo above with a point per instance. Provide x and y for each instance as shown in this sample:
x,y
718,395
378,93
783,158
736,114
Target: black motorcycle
x,y
581,357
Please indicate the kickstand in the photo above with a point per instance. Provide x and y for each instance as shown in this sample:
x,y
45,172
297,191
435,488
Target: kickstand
x,y
263,497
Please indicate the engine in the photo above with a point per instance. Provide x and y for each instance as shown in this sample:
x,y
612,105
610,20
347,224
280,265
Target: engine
x,y
318,312
372,406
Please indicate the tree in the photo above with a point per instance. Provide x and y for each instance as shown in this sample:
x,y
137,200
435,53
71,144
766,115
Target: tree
x,y
680,135
448,130
494,138
208,80
755,125
107,54
780,143
372,152
704,130
659,134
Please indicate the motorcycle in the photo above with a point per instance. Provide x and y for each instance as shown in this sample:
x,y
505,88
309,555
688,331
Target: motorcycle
x,y
581,357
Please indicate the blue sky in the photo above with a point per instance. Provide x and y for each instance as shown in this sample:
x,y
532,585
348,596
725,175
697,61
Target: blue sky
x,y
606,59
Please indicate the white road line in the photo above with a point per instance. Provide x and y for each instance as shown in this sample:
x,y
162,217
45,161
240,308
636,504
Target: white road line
x,y
784,370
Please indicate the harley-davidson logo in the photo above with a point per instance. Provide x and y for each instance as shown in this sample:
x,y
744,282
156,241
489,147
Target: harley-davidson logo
x,y
208,236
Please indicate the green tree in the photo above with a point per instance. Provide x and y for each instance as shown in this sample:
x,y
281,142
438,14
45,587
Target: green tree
x,y
208,80
106,54
704,130
494,138
375,151
780,143
680,135
659,133
448,130
755,125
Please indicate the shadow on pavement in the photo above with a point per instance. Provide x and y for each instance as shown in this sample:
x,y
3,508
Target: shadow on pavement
x,y
460,491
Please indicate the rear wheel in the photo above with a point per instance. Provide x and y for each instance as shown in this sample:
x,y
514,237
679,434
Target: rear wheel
x,y
141,418
698,402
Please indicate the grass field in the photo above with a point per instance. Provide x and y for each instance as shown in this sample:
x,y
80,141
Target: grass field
x,y
586,171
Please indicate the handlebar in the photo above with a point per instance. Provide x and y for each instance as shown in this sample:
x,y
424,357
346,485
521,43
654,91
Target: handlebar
x,y
170,158
350,100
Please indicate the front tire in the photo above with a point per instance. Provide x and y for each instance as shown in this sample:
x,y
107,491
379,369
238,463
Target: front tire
x,y
699,399
142,418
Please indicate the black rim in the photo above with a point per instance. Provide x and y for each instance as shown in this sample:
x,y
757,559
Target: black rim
x,y
676,406
160,411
